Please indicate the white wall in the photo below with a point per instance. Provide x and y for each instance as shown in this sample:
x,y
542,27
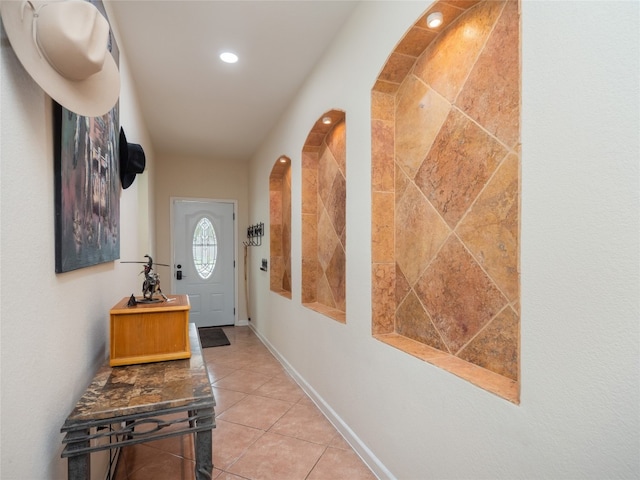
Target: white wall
x,y
579,412
54,327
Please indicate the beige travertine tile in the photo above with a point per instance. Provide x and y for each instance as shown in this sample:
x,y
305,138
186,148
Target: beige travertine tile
x,y
491,228
382,106
305,422
226,398
420,232
336,142
242,381
402,286
420,113
382,298
491,95
382,162
257,412
389,88
325,295
496,346
336,205
461,160
310,269
161,466
382,227
416,40
336,463
327,171
327,240
412,321
281,387
270,458
309,236
397,67
458,295
336,278
230,441
448,60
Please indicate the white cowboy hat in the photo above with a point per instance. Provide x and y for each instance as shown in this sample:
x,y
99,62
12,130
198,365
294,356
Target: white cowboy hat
x,y
63,46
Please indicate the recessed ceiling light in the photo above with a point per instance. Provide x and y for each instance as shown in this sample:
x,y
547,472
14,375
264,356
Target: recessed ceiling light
x,y
434,20
228,57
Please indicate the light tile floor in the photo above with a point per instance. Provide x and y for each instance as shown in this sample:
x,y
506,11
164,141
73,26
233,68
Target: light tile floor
x,y
266,427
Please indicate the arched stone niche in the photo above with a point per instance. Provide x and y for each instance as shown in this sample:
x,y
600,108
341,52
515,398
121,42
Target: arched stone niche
x,y
323,216
445,126
280,226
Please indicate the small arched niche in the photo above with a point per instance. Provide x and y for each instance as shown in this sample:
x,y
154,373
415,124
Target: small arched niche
x,y
445,129
324,216
280,226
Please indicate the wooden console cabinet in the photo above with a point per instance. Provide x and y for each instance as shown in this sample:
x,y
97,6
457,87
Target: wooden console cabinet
x,y
152,332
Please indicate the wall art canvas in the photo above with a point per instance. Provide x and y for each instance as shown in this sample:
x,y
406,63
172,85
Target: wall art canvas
x,y
87,184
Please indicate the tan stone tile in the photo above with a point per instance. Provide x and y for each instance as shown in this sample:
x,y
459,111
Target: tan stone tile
x,y
325,295
305,422
336,278
269,458
463,157
310,269
382,227
458,295
336,204
230,441
413,321
383,303
496,347
242,381
388,88
420,113
402,286
397,67
281,387
382,106
491,228
256,412
382,156
420,232
338,463
327,240
309,236
309,190
447,62
491,95
415,41
402,181
226,398
327,171
336,142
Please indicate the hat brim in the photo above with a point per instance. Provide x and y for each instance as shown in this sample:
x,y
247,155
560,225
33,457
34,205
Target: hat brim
x,y
92,97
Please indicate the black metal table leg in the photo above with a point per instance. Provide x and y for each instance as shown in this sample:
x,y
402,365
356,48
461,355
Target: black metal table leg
x,y
204,445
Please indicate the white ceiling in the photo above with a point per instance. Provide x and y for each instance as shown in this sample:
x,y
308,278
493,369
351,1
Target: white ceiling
x,y
191,102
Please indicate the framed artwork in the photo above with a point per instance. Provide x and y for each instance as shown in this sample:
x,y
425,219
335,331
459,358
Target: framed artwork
x,y
87,184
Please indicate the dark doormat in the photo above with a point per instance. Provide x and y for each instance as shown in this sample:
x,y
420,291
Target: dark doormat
x,y
212,337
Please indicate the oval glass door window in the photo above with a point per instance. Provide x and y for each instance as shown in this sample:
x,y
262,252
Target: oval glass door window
x,y
205,248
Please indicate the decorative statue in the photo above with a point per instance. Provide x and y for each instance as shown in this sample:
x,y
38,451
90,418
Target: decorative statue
x,y
150,285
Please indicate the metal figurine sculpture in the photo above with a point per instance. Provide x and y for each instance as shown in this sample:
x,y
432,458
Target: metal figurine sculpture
x,y
150,285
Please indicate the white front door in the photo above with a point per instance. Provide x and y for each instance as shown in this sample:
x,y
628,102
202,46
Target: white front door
x,y
204,259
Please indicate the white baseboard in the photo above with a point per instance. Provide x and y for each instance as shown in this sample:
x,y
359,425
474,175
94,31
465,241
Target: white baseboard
x,y
367,456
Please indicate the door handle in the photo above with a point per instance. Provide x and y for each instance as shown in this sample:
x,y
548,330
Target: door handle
x,y
179,275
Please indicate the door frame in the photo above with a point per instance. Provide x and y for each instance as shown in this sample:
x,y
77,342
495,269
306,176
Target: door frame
x,y
172,200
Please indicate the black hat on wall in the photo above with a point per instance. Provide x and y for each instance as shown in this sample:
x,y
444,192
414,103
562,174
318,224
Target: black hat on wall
x,y
132,160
